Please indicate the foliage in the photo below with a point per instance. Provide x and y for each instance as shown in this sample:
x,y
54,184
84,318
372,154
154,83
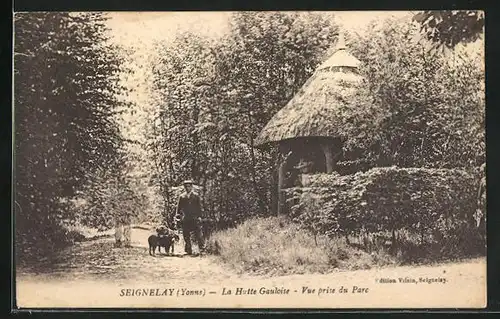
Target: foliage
x,y
276,246
432,206
65,80
451,27
434,104
107,198
215,96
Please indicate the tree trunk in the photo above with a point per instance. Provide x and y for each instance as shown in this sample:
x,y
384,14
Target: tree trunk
x,y
261,201
422,234
393,240
118,233
223,189
127,235
204,193
195,166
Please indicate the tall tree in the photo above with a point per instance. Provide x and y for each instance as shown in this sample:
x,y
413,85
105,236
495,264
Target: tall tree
x,y
66,82
447,28
434,102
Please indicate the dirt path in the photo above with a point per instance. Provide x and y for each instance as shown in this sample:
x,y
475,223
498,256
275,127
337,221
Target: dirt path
x,y
100,260
82,277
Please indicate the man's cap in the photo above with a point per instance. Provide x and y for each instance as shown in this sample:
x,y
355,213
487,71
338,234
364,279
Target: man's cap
x,y
188,182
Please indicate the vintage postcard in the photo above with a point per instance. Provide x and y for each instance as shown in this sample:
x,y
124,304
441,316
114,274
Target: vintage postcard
x,y
249,159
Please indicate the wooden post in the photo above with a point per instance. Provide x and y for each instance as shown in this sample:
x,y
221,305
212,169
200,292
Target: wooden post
x,y
282,167
281,179
329,157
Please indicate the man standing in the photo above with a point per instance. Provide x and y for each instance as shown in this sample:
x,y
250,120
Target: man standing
x,y
189,212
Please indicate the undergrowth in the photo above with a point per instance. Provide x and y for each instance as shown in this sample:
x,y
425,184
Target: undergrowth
x,y
277,246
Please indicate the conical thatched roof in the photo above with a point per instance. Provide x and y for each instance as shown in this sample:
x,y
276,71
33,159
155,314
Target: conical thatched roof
x,y
314,110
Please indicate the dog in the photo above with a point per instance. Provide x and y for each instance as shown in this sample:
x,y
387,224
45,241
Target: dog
x,y
165,238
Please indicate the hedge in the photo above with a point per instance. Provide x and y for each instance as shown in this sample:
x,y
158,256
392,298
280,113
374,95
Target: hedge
x,y
433,205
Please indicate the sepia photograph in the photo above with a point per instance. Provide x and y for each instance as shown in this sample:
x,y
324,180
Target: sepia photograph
x,y
249,160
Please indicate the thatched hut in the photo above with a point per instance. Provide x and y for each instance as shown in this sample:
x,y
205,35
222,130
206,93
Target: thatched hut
x,y
307,129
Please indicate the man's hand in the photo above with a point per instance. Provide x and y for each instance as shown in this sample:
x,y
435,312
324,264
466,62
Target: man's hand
x,y
176,221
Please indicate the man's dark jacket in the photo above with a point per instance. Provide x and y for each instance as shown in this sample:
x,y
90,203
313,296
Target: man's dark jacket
x,y
189,206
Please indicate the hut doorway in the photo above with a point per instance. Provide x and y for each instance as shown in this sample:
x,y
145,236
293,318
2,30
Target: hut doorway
x,y
311,159
305,156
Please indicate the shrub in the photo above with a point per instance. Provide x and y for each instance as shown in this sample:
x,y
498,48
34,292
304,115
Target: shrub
x,y
430,207
41,245
278,246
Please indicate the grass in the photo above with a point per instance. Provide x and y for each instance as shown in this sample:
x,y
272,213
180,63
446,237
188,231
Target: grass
x,y
276,246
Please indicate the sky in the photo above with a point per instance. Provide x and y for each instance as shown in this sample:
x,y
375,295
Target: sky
x,y
132,28
139,30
